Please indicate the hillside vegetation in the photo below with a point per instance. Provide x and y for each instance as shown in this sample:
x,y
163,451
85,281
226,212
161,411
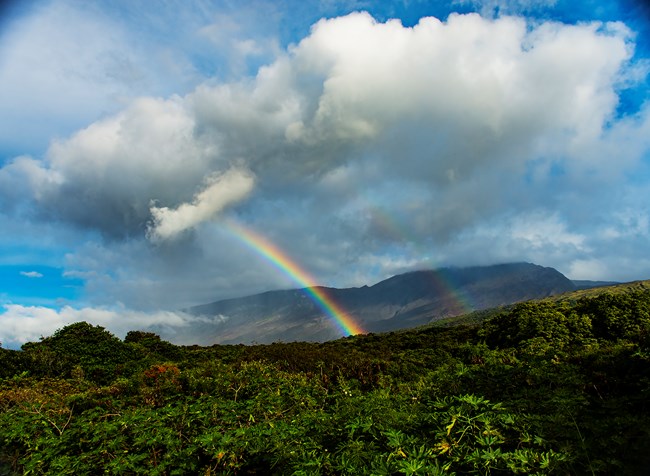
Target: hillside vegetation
x,y
547,387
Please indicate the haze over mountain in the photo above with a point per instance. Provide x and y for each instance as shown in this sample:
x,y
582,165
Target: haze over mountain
x,y
403,301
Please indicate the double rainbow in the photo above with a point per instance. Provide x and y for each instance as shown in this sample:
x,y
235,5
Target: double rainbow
x,y
290,268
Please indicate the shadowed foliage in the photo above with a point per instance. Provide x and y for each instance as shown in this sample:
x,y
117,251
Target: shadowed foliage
x,y
547,387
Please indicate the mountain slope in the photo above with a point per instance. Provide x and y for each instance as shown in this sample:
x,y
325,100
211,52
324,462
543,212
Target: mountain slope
x,y
587,284
403,301
479,316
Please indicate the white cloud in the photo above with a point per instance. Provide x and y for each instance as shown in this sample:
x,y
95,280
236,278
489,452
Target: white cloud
x,y
20,324
63,75
220,192
31,274
104,176
24,176
450,105
539,230
592,269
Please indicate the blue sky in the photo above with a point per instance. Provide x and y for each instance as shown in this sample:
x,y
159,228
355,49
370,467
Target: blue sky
x,y
363,138
38,285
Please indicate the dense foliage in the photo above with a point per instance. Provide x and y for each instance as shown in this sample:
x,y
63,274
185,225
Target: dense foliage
x,y
539,388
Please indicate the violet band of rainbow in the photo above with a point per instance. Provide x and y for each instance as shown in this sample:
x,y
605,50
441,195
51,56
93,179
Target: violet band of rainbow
x,y
281,261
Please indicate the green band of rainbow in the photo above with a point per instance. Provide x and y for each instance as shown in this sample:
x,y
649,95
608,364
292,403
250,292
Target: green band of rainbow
x,y
281,261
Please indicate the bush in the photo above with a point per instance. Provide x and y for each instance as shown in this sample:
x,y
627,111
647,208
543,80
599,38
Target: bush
x,y
102,356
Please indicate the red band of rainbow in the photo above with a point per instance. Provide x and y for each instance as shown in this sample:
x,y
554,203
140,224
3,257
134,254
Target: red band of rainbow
x,y
286,265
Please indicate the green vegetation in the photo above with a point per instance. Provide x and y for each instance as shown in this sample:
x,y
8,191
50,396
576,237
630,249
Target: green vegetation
x,y
549,387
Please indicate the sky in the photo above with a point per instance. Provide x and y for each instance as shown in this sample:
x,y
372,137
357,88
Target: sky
x,y
364,139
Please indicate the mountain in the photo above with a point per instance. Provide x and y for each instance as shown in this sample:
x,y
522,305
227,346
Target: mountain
x,y
405,300
586,284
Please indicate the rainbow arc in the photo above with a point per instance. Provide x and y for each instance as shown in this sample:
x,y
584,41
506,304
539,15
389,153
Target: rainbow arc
x,y
281,261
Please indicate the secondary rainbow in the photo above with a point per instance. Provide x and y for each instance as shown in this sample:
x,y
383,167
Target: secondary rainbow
x,y
286,265
397,230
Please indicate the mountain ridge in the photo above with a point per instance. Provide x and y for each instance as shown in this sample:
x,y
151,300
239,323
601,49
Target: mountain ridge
x,y
402,301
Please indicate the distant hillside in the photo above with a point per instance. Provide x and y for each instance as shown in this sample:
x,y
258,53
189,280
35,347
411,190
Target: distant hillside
x,y
586,284
403,301
618,288
477,317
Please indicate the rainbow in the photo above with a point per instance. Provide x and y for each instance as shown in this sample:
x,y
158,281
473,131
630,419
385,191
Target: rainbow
x,y
286,265
457,303
397,231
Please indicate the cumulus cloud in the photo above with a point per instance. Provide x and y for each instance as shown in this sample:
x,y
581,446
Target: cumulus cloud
x,y
220,191
440,102
104,176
